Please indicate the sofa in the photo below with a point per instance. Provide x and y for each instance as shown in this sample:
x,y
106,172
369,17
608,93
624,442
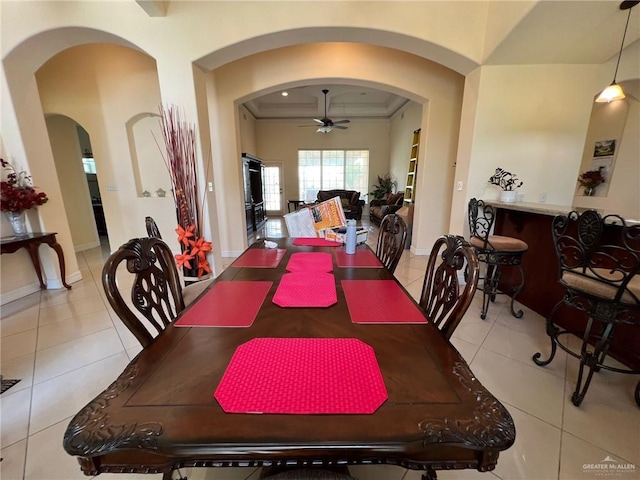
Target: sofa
x,y
351,203
379,208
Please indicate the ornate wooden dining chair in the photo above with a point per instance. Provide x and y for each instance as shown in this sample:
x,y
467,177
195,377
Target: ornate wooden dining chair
x,y
155,298
599,267
152,228
391,240
189,292
496,251
443,298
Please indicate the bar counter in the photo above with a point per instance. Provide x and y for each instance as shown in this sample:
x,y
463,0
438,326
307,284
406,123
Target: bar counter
x,y
531,222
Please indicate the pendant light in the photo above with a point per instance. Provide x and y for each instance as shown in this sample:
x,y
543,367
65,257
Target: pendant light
x,y
614,91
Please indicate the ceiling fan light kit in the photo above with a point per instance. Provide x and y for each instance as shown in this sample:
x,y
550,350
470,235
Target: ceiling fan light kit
x,y
614,91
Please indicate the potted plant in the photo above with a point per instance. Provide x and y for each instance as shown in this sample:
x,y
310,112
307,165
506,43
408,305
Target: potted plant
x,y
590,180
507,182
17,195
385,186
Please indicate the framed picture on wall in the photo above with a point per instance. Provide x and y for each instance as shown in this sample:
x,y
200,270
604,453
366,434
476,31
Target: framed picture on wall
x,y
604,148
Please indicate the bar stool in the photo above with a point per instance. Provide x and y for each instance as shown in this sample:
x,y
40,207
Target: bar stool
x,y
496,251
601,278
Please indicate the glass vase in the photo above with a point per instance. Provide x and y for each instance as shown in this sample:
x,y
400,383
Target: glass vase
x,y
18,222
589,191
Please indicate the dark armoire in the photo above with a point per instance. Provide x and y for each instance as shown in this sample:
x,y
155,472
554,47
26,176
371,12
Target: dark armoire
x,y
252,169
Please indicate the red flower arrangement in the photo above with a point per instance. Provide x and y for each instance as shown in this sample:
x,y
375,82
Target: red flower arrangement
x,y
179,140
18,193
591,179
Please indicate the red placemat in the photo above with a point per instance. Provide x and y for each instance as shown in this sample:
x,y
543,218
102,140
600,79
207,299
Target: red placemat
x,y
379,301
227,304
315,242
260,258
306,290
310,262
362,258
302,376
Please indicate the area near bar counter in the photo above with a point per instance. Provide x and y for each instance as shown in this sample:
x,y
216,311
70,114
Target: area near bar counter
x,y
531,222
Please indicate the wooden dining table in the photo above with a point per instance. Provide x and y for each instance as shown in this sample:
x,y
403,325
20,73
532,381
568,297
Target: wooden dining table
x,y
161,412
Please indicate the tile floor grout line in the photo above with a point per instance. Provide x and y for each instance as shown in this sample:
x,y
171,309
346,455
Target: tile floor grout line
x,y
617,455
33,377
546,422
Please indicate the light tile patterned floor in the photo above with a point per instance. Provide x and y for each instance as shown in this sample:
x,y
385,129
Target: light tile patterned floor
x,y
68,346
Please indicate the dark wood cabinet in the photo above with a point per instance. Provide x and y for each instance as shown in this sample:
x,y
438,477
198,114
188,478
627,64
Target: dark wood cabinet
x,y
255,212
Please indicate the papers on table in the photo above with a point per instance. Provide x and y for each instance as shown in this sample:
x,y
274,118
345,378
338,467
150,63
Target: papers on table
x,y
311,221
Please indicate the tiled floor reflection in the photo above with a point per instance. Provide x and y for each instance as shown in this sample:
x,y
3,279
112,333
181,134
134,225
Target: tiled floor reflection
x,y
60,341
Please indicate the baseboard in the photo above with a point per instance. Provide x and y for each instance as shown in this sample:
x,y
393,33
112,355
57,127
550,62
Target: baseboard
x,y
52,284
86,246
420,251
19,293
231,253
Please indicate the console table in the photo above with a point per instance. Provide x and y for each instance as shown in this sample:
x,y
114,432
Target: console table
x,y
32,242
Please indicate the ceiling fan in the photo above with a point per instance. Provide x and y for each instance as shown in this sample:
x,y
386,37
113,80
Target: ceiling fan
x,y
325,125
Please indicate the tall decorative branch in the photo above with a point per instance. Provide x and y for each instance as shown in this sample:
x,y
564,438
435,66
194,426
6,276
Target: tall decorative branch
x,y
180,143
179,140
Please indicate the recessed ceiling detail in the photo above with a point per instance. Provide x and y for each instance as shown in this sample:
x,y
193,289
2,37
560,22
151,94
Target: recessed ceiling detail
x,y
342,101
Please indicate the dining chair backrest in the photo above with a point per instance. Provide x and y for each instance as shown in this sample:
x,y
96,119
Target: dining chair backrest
x,y
155,298
152,228
391,240
443,298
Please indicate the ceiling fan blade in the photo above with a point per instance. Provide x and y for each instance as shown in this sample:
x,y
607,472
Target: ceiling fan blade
x,y
321,121
340,127
315,126
336,122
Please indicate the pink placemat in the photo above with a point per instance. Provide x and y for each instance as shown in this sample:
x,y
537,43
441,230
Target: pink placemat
x,y
306,290
362,258
315,242
310,262
260,258
302,376
227,304
379,301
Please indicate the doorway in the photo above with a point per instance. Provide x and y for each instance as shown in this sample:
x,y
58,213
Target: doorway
x,y
273,191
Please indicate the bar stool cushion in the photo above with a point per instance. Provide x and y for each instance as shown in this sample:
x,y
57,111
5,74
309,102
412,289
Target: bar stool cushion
x,y
500,243
593,282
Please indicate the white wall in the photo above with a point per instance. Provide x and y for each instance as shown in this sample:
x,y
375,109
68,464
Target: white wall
x,y
403,124
116,84
73,181
531,121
